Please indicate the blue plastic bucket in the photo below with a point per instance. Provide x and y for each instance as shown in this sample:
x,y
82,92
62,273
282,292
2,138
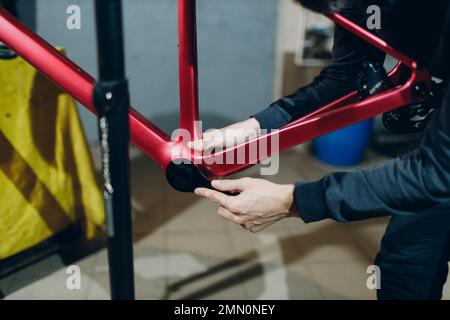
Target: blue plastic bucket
x,y
345,147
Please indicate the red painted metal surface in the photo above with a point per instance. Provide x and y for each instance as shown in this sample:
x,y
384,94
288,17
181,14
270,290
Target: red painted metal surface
x,y
187,46
336,115
72,79
309,127
157,145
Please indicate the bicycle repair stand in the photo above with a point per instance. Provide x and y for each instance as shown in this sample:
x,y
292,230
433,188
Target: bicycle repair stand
x,y
112,101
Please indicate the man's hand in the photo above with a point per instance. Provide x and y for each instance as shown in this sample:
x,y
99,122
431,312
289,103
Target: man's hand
x,y
227,137
260,203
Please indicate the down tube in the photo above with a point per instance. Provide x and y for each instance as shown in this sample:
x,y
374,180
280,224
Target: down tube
x,y
308,129
72,79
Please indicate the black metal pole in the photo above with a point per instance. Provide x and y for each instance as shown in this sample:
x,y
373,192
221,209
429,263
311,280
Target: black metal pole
x,y
111,98
11,7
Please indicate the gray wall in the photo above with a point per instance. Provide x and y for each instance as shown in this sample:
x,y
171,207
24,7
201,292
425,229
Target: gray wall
x,y
236,55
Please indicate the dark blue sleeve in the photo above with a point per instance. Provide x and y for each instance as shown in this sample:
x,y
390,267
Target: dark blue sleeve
x,y
403,186
341,77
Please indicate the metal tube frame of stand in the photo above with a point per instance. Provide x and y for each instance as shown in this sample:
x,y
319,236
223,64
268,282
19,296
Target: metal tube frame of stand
x,y
157,145
111,99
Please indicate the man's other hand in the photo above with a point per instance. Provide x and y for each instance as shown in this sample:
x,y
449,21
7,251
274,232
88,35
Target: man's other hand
x,y
259,204
227,137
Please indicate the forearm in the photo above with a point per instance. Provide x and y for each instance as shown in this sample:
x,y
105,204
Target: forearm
x,y
341,77
322,91
406,185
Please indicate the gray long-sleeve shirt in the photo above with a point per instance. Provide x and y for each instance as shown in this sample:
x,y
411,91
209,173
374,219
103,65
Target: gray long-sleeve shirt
x,y
405,185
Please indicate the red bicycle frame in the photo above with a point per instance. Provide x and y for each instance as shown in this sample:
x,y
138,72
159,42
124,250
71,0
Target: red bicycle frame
x,y
159,146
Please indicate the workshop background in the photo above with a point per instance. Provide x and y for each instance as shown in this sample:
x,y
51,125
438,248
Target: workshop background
x,y
250,53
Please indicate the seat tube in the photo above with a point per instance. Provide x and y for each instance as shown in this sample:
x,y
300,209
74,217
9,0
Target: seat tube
x,y
188,67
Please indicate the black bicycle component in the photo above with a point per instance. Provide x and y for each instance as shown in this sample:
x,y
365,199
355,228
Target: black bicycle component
x,y
375,79
414,118
111,99
184,176
421,91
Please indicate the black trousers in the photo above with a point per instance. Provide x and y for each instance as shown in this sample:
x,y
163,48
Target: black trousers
x,y
414,255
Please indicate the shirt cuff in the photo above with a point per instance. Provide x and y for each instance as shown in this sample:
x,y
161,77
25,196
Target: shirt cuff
x,y
310,201
272,117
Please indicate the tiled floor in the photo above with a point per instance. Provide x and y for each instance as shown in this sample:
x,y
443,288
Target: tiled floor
x,y
183,250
